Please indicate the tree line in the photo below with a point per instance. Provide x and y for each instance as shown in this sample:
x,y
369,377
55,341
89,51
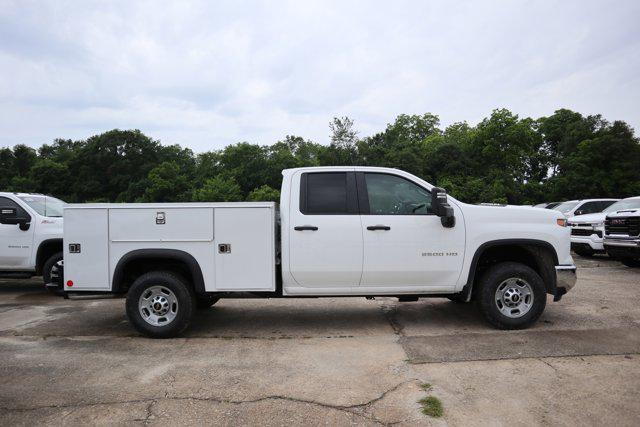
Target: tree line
x,y
503,159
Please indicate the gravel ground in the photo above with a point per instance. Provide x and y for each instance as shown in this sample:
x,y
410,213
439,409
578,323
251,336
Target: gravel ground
x,y
329,361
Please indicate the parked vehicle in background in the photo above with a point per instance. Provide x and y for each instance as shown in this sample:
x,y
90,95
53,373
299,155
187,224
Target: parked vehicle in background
x,y
547,205
622,233
30,235
587,231
582,207
342,231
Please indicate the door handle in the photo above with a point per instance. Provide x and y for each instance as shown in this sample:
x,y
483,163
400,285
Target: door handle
x,y
379,227
305,227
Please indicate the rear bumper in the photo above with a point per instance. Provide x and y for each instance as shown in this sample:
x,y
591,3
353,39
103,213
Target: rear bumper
x,y
566,279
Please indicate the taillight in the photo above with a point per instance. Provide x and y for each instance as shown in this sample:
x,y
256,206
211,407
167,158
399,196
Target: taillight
x,y
69,283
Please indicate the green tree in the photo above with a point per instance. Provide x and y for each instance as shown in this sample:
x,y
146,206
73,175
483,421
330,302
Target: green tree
x,y
166,183
606,164
219,189
246,163
264,194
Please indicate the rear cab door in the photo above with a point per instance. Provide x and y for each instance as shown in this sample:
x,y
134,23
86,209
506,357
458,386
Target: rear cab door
x,y
324,232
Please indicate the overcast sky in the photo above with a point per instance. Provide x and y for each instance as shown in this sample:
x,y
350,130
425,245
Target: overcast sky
x,y
211,73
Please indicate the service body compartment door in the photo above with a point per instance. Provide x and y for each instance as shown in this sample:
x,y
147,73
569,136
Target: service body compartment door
x,y
86,264
244,249
161,224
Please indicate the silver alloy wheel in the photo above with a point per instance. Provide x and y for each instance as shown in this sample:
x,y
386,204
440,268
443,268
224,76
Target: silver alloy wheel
x,y
55,270
514,297
158,306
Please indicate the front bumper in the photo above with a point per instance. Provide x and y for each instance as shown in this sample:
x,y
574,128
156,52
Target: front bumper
x,y
566,279
594,242
625,243
622,248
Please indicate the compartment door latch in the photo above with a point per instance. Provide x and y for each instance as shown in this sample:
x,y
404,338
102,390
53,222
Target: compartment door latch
x,y
160,218
224,248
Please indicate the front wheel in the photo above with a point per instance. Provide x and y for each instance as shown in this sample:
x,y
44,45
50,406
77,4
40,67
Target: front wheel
x,y
511,296
160,304
52,269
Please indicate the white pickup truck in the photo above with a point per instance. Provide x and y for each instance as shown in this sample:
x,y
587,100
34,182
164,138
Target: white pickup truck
x,y
340,231
622,232
30,235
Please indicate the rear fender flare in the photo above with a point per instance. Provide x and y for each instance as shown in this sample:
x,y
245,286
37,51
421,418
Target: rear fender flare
x,y
164,254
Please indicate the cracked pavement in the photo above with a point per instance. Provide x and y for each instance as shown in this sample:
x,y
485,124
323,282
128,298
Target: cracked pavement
x,y
329,361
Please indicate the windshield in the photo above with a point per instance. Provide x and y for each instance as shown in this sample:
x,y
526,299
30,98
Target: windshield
x,y
44,205
623,205
566,206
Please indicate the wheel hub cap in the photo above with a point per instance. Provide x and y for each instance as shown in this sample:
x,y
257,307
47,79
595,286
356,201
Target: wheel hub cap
x,y
158,305
55,269
514,297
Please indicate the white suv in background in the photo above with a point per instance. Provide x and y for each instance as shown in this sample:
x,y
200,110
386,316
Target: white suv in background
x,y
583,207
587,231
30,235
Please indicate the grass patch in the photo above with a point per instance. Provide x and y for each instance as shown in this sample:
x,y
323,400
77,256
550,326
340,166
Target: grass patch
x,y
431,406
426,386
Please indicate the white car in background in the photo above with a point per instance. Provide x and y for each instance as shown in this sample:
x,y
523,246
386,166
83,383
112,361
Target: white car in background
x,y
583,207
30,235
587,231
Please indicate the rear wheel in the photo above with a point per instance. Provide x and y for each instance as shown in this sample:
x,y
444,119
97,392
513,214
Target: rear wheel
x,y
160,304
511,296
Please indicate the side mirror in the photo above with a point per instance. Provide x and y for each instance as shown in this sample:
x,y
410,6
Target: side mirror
x,y
9,216
441,207
578,212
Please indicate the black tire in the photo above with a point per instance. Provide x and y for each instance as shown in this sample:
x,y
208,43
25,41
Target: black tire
x,y
631,262
487,292
185,304
204,302
584,252
47,269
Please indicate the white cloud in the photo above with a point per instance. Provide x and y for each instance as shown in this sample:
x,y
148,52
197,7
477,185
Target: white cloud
x,y
206,74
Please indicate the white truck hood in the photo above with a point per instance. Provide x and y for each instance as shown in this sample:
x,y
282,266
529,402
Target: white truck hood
x,y
588,218
624,213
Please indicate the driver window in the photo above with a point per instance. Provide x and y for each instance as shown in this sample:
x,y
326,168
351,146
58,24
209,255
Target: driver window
x,y
393,195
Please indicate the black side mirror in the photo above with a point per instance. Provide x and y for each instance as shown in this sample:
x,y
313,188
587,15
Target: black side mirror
x,y
441,207
9,216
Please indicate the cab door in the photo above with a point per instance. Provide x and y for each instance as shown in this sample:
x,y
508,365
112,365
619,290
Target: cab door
x,y
325,239
16,245
405,244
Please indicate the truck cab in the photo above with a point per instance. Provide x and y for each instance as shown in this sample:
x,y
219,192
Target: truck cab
x,y
30,235
338,231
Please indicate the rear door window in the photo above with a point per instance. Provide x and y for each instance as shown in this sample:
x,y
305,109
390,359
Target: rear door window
x,y
328,193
